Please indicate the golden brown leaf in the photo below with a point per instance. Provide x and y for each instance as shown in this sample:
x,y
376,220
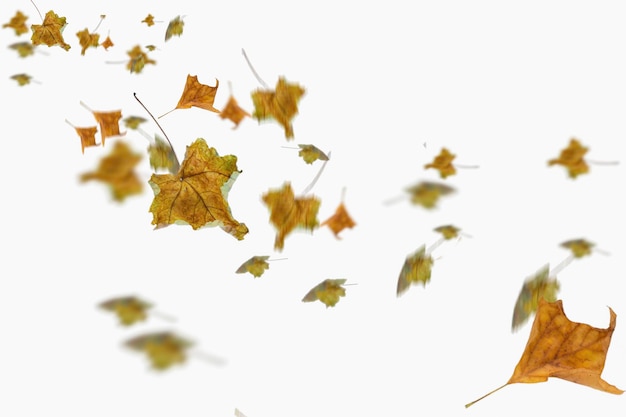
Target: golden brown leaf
x,y
133,122
22,79
339,221
149,20
448,231
175,27
311,154
572,159
560,348
197,194
197,95
87,40
255,265
416,269
233,112
17,23
328,292
426,193
129,310
87,136
162,156
23,49
109,122
118,171
164,349
280,104
536,287
443,163
579,247
288,212
49,33
107,43
138,59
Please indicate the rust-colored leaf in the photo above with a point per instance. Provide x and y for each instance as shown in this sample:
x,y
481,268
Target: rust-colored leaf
x,y
87,40
149,20
416,269
109,122
49,33
443,163
579,247
328,292
233,112
311,153
536,287
560,348
23,49
118,170
288,212
198,95
138,59
174,28
572,158
197,195
129,310
17,23
255,265
427,193
107,43
339,221
280,104
87,136
164,349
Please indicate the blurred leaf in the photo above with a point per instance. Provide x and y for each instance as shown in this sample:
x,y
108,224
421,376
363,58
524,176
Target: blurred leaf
x,y
328,292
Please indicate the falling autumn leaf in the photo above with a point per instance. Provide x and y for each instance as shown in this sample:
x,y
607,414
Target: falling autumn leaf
x,y
117,170
197,194
162,156
288,212
107,43
572,159
537,287
233,112
427,193
280,104
448,231
87,135
133,122
311,153
17,23
255,265
443,163
22,79
560,348
579,247
416,269
164,349
138,59
87,40
339,221
129,310
197,95
109,123
23,49
175,27
50,32
149,20
328,292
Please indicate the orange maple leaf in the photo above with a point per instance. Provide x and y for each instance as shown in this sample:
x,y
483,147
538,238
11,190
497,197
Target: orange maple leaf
x,y
560,348
197,95
107,43
572,159
17,23
197,194
328,292
117,170
281,104
339,221
49,33
288,212
233,112
87,40
443,163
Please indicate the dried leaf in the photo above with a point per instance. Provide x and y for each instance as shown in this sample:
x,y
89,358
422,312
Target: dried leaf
x,y
175,27
23,49
572,159
280,104
149,20
560,348
339,221
109,122
197,194
164,349
133,122
107,43
118,171
233,112
138,59
87,136
87,40
255,265
328,292
17,23
49,33
22,79
443,163
416,269
288,212
162,156
311,154
426,193
536,287
448,231
129,310
197,95
579,247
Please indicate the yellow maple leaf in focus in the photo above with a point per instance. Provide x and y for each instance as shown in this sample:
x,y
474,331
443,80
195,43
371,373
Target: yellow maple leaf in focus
x,y
233,112
17,23
175,27
118,170
87,40
129,310
197,194
537,287
572,158
280,104
138,59
443,163
50,32
328,292
164,349
416,269
288,212
560,348
255,265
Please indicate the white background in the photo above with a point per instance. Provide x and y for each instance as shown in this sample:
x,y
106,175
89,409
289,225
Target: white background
x,y
504,87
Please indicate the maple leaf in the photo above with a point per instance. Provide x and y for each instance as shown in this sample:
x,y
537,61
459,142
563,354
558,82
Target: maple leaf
x,y
572,159
579,247
138,59
107,43
339,220
87,40
197,95
129,310
149,20
288,212
448,231
22,79
536,287
281,104
17,23
443,163
197,194
175,27
416,269
328,292
117,170
427,193
164,349
311,154
133,122
87,136
23,49
50,32
560,348
162,156
255,265
233,112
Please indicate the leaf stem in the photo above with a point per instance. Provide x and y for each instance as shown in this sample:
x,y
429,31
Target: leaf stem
x,y
37,8
594,162
163,316
317,177
466,166
102,16
489,393
157,123
207,357
70,123
82,103
263,83
434,246
561,266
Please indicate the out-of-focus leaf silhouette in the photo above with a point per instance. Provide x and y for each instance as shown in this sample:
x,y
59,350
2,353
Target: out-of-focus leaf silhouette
x,y
162,156
174,28
87,135
339,220
107,43
579,247
138,59
443,163
149,20
109,122
427,193
288,212
164,349
572,158
197,195
133,122
23,49
129,310
536,287
255,265
17,23
311,153
50,32
233,112
328,292
416,269
448,231
87,40
280,104
560,348
118,170
197,95
22,79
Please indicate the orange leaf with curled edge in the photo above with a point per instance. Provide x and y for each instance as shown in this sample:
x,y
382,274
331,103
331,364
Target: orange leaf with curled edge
x,y
197,194
288,212
87,136
233,112
339,221
49,33
129,310
17,23
328,292
118,170
281,104
164,349
255,265
87,40
560,348
572,159
109,123
443,163
198,95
